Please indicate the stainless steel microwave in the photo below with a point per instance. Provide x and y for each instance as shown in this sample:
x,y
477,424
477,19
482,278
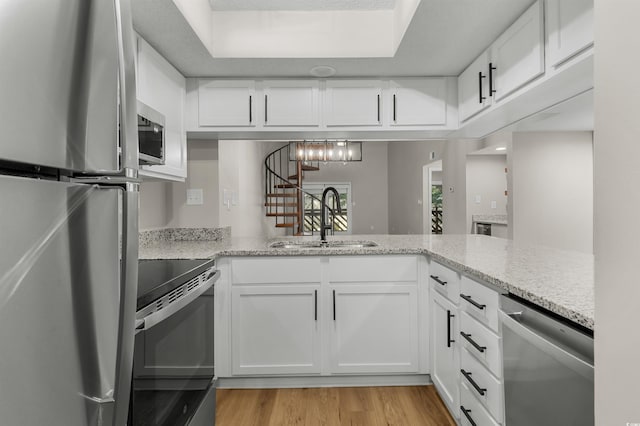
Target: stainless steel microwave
x,y
150,135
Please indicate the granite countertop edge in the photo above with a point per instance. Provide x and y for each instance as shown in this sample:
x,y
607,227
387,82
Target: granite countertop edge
x,y
418,245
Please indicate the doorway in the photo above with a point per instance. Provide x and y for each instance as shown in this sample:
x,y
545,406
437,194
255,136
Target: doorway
x,y
432,214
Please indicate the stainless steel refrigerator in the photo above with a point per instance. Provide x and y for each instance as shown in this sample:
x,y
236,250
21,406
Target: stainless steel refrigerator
x,y
68,211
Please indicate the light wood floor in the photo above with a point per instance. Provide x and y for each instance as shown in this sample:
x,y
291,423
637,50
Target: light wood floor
x,y
373,406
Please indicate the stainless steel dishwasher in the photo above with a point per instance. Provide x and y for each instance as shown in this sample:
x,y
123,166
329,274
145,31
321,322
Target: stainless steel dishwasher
x,y
548,368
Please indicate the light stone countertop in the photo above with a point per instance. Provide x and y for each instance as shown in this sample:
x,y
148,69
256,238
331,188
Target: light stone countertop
x,y
560,281
494,219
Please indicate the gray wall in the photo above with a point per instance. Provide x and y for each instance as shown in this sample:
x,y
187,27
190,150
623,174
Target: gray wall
x,y
369,187
164,204
405,162
553,189
487,179
617,208
454,183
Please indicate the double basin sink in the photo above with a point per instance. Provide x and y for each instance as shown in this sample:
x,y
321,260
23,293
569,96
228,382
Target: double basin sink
x,y
296,245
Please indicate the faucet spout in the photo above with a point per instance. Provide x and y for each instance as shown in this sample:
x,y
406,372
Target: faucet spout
x,y
323,207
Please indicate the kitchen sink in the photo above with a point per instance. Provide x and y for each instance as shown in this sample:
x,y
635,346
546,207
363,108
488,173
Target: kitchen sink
x,y
322,244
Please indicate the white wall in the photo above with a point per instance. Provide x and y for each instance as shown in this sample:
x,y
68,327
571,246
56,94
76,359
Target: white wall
x,y
406,204
202,173
454,183
617,209
164,204
369,187
553,189
486,178
153,205
241,169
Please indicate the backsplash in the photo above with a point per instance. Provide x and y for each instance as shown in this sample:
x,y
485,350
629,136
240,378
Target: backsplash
x,y
183,234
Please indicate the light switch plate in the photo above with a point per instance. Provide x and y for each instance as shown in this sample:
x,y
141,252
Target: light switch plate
x,y
494,205
478,199
195,197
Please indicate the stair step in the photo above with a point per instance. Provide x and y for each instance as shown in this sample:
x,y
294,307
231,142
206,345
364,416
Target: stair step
x,y
285,225
277,204
306,167
281,214
294,177
282,195
285,185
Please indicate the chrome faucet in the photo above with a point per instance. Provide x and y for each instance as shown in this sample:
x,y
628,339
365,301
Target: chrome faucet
x,y
323,206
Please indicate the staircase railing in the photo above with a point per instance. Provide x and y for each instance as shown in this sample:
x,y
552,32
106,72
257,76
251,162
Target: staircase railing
x,y
284,196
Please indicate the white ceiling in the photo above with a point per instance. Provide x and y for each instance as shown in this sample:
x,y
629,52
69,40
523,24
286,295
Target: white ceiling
x,y
301,4
442,39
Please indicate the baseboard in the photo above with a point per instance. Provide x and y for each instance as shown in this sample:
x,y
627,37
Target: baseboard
x,y
322,381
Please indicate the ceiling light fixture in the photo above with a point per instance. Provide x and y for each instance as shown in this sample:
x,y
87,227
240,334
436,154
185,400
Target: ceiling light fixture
x,y
322,71
325,151
501,148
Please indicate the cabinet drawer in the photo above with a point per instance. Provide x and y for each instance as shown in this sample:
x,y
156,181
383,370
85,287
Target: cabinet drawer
x,y
446,281
473,410
487,350
275,270
373,269
490,388
480,302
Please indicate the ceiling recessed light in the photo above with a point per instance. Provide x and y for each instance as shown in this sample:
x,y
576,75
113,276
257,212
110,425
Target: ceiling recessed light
x,y
501,148
322,71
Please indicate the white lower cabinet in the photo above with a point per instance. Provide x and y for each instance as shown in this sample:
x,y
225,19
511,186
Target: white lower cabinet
x,y
275,330
445,349
374,328
287,317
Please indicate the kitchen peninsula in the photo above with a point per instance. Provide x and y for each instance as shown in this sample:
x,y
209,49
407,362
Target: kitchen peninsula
x,y
558,280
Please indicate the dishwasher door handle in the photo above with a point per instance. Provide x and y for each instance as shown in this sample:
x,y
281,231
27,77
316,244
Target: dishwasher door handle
x,y
560,354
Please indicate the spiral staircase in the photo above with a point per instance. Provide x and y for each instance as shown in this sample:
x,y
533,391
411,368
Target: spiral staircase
x,y
284,196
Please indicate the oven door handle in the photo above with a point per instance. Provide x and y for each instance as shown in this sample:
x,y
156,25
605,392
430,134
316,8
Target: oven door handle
x,y
161,315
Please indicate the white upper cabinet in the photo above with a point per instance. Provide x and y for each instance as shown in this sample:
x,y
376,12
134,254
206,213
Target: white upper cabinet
x,y
418,102
226,103
163,88
569,25
353,103
291,103
517,56
473,88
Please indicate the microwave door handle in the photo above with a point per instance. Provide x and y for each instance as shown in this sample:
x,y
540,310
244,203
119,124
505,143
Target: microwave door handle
x,y
161,315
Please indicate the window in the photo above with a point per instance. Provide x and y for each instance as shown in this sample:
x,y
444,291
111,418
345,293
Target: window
x,y
342,221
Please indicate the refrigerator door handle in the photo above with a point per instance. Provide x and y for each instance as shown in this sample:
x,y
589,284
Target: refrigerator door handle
x,y
128,299
127,79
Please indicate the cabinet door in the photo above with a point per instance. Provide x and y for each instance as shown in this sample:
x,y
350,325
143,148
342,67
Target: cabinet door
x,y
418,102
445,352
291,103
374,328
473,88
517,55
227,103
275,330
163,88
569,26
353,103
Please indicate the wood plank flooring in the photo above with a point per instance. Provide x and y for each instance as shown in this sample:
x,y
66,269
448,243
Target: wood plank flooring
x,y
365,406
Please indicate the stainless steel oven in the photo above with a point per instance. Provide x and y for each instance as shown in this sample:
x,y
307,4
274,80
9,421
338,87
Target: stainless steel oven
x,y
174,380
